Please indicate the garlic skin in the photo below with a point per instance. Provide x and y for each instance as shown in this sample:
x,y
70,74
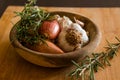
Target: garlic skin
x,y
63,43
84,36
75,35
64,21
79,22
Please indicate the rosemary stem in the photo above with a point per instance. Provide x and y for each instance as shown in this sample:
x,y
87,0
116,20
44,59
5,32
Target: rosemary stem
x,y
85,68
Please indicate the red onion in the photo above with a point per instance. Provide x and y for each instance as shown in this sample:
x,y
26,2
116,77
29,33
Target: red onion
x,y
50,29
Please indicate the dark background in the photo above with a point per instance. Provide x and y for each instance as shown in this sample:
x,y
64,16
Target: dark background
x,y
62,3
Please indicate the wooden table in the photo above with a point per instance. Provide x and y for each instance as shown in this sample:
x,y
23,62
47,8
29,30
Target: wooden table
x,y
14,67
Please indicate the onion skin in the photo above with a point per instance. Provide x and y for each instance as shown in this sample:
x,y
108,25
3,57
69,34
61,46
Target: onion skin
x,y
47,47
50,29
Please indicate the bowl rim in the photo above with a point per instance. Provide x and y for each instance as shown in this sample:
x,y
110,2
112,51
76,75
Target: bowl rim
x,y
66,54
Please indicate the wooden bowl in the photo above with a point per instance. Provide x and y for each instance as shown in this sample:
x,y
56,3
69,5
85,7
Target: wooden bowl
x,y
59,60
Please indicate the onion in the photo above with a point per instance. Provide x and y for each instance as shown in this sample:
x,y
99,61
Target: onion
x,y
50,29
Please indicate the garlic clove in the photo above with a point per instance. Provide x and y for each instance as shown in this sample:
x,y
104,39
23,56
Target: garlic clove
x,y
79,22
64,22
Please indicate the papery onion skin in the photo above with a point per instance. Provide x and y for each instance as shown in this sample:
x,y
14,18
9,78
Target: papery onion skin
x,y
50,29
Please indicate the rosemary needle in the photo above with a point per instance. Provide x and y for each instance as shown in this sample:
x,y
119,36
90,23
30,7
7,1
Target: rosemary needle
x,y
31,19
91,64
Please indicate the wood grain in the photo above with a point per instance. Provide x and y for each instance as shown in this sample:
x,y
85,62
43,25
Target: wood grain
x,y
13,67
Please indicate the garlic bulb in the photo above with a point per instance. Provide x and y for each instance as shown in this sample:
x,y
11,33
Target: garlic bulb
x,y
64,21
69,39
84,36
72,35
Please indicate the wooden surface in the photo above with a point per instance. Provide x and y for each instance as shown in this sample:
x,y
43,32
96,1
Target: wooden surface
x,y
62,3
14,67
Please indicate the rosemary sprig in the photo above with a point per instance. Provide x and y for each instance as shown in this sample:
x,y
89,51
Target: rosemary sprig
x,y
31,19
91,64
